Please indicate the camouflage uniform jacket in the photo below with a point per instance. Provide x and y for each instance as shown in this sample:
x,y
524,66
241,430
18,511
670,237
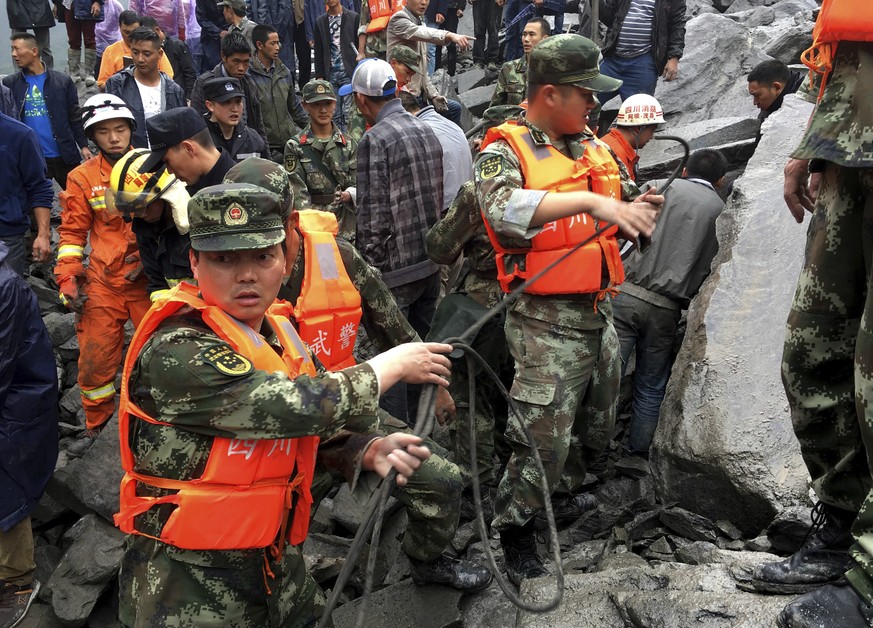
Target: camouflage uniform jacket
x,y
377,43
356,125
841,127
383,321
511,86
312,188
510,208
463,231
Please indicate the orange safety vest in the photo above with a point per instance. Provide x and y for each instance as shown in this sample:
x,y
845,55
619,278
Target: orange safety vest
x,y
245,497
381,12
545,168
838,20
328,310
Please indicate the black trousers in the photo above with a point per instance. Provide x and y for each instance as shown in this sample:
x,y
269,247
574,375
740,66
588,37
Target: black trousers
x,y
451,25
487,17
304,55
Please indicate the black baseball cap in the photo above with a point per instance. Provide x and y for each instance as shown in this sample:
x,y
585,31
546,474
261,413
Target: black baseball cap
x,y
222,89
168,129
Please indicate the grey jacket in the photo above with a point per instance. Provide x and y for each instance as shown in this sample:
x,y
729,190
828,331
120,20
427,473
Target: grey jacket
x,y
683,245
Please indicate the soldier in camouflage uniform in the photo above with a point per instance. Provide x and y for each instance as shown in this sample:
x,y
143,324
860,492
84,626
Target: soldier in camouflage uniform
x,y
827,368
511,86
322,160
564,345
200,388
432,495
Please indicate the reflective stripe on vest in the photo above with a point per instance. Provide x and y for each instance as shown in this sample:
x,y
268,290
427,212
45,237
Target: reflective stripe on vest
x,y
328,310
247,491
545,168
381,12
838,20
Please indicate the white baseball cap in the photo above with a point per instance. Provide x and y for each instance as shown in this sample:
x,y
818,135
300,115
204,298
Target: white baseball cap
x,y
372,77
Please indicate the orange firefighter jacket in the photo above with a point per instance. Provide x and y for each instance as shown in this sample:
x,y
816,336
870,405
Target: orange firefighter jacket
x,y
623,151
84,211
241,501
545,168
328,310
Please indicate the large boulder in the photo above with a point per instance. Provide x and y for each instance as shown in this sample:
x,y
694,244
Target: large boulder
x,y
710,83
724,447
89,566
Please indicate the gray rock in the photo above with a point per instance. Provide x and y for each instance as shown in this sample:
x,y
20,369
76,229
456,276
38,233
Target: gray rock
x,y
325,555
662,596
583,556
95,478
728,529
788,529
61,327
471,79
758,16
689,524
697,553
790,42
643,523
488,609
40,616
722,5
69,351
71,403
477,100
405,604
349,509
759,544
321,520
46,558
803,8
88,567
740,460
742,6
723,93
633,466
693,8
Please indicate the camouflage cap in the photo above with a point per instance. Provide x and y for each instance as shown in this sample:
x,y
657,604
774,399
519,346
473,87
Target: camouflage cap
x,y
568,60
498,114
407,56
235,216
317,90
266,174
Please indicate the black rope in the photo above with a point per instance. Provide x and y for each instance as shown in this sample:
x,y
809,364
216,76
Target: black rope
x,y
376,506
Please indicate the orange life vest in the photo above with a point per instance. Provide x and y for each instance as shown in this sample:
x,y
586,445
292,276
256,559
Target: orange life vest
x,y
381,12
328,310
838,20
245,497
545,168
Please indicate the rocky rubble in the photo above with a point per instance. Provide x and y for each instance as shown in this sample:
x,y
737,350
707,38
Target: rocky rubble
x,y
670,538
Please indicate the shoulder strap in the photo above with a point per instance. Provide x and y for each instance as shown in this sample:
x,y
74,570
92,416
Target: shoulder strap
x,y
311,153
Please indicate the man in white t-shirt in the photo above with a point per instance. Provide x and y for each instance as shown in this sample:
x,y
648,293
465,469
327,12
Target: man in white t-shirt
x,y
146,90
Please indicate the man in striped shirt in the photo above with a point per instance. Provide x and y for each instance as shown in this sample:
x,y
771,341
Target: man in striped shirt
x,y
645,40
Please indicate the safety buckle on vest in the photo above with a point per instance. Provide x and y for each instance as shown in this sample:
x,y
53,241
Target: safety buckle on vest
x,y
612,291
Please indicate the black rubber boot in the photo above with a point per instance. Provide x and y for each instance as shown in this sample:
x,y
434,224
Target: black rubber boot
x,y
520,559
823,558
460,574
830,606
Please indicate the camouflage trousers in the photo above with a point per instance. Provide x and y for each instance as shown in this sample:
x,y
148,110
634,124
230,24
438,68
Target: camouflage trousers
x,y
827,365
565,388
161,586
432,497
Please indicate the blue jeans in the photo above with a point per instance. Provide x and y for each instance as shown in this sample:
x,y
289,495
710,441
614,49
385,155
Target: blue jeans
x,y
343,105
649,331
16,259
513,36
431,48
639,74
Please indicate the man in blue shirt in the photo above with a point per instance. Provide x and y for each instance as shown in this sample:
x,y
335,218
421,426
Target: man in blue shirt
x,y
48,103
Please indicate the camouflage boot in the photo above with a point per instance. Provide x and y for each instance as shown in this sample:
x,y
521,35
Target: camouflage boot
x,y
567,509
520,558
827,606
823,558
468,506
460,574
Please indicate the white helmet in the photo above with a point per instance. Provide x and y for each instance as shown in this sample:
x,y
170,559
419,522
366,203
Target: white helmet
x,y
106,107
640,110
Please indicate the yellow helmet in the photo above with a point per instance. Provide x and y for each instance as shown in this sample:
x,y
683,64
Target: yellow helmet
x,y
131,190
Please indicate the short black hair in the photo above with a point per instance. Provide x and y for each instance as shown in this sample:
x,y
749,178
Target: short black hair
x,y
235,43
203,138
28,37
381,99
409,102
544,26
144,33
768,72
148,21
261,33
707,164
128,18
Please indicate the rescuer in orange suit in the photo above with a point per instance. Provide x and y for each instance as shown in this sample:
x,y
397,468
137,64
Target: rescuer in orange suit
x,y
112,289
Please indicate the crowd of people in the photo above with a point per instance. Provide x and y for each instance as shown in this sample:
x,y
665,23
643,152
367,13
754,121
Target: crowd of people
x,y
292,248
